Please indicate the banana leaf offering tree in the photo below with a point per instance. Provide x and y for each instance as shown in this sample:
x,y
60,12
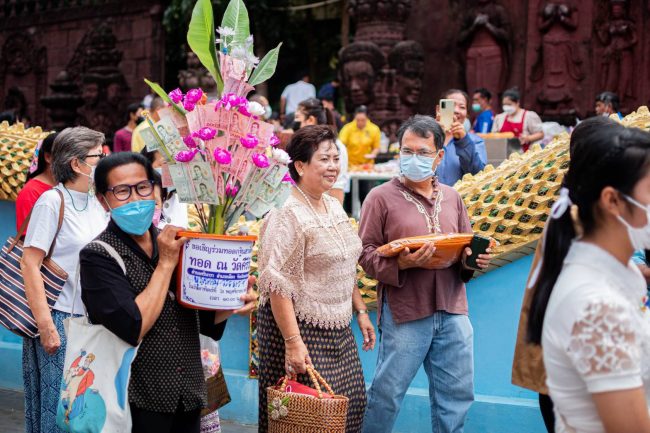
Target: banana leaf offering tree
x,y
220,156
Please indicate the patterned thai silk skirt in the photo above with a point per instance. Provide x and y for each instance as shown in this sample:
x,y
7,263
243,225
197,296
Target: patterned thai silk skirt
x,y
334,354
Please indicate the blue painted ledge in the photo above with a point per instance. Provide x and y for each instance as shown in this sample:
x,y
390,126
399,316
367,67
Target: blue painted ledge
x,y
494,299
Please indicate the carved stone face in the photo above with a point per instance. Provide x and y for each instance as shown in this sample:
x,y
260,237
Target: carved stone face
x,y
409,82
359,76
618,11
90,93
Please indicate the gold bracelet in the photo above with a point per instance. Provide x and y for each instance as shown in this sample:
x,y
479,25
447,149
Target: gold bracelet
x,y
290,339
362,312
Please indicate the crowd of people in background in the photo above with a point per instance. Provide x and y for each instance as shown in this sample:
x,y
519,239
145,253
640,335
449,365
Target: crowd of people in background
x,y
582,302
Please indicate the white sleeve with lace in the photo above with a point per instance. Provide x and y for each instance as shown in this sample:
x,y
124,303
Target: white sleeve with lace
x,y
281,255
604,347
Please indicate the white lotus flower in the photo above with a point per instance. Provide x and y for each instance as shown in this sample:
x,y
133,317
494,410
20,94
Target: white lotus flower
x,y
281,156
226,31
256,108
277,402
241,53
284,411
275,414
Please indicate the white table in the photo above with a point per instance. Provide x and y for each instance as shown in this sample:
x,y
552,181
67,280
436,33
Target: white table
x,y
355,177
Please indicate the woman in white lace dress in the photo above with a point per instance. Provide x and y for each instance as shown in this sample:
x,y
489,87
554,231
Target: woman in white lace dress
x,y
590,311
307,280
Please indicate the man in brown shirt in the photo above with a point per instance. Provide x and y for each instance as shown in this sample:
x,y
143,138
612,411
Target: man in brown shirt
x,y
423,312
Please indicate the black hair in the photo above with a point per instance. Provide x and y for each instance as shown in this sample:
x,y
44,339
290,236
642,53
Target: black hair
x,y
157,179
604,155
314,107
304,143
609,98
361,109
46,147
150,155
424,127
119,159
450,92
512,94
485,93
132,109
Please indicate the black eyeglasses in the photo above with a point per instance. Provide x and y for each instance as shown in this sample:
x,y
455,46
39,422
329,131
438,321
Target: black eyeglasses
x,y
123,192
408,152
95,155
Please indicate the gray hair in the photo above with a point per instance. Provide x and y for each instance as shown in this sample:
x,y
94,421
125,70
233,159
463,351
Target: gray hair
x,y
424,127
72,143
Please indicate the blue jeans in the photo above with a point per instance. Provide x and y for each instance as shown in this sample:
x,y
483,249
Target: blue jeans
x,y
444,344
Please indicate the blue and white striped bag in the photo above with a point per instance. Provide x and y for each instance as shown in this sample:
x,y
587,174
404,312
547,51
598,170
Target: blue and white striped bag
x,y
15,314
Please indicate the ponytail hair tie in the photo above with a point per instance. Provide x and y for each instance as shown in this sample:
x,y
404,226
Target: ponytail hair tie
x,y
562,204
575,219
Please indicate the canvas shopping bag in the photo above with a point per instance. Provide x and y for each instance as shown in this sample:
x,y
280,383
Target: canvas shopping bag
x,y
96,372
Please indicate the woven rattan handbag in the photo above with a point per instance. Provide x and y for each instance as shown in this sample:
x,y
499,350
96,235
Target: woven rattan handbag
x,y
291,412
15,314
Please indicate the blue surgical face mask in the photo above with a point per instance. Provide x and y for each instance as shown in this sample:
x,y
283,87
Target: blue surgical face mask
x,y
135,217
417,168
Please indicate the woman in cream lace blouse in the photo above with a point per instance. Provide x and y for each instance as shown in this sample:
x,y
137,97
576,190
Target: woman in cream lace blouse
x,y
307,280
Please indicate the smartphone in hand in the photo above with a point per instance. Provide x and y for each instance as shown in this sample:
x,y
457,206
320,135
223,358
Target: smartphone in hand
x,y
447,107
479,245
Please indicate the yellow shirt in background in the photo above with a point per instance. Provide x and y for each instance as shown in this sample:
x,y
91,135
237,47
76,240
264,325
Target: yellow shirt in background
x,y
137,142
360,142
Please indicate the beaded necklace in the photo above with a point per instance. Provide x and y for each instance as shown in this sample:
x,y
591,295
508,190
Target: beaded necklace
x,y
72,200
341,245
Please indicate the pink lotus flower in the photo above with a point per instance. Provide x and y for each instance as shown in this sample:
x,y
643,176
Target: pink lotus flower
x,y
250,141
176,95
274,140
206,133
194,95
230,101
260,160
222,156
243,109
185,155
189,141
231,190
189,106
287,178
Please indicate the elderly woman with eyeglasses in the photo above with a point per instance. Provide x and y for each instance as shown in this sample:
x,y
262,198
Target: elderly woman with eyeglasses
x,y
166,389
76,152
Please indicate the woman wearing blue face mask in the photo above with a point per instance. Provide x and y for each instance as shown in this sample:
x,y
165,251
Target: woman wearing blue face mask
x,y
415,300
76,152
167,389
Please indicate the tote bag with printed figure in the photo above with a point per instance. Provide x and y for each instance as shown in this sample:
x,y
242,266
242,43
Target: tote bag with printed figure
x,y
96,373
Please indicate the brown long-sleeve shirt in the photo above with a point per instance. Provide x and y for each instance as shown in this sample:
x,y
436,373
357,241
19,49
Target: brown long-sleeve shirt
x,y
389,213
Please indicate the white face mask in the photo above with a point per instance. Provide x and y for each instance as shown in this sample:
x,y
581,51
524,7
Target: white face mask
x,y
639,236
509,109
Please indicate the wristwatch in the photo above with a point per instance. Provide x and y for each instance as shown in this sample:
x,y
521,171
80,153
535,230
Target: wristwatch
x,y
361,312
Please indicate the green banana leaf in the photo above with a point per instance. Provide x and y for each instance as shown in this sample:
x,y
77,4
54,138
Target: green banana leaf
x,y
201,39
236,17
165,97
266,68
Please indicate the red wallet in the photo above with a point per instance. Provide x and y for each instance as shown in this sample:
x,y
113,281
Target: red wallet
x,y
299,388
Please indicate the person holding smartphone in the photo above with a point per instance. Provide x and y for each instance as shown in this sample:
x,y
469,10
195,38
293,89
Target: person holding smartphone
x,y
464,152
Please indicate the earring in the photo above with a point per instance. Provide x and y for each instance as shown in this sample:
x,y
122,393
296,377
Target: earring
x,y
300,174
